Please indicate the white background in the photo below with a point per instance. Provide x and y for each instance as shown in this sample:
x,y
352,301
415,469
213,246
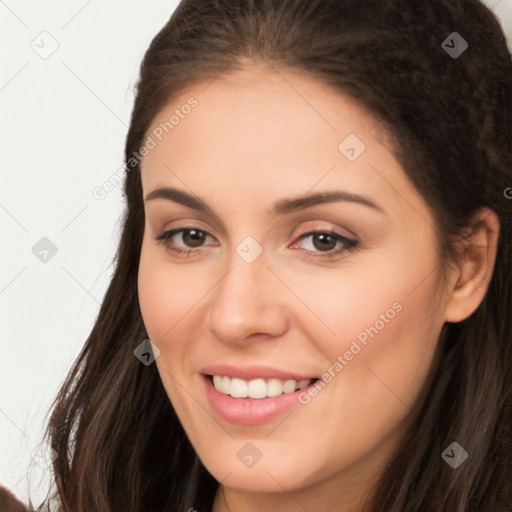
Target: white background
x,y
63,121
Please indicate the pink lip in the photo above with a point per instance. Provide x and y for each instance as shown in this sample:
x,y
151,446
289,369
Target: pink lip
x,y
253,372
249,411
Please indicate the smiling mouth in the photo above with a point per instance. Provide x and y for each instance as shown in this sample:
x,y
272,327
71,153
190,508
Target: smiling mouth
x,y
257,388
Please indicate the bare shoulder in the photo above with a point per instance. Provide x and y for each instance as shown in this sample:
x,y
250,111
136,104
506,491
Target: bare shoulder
x,y
9,502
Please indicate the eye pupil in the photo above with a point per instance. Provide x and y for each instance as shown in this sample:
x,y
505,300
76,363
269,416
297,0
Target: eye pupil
x,y
326,241
193,237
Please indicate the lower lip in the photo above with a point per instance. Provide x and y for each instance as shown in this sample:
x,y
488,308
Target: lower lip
x,y
250,411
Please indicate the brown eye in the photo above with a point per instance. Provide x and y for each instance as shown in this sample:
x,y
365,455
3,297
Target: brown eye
x,y
324,241
193,237
325,244
184,240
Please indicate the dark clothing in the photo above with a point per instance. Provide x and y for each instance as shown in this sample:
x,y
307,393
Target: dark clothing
x,y
9,502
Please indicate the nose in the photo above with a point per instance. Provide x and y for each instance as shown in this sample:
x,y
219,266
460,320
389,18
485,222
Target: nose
x,y
247,304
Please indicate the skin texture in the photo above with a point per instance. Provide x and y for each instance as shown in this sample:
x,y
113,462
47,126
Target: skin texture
x,y
257,136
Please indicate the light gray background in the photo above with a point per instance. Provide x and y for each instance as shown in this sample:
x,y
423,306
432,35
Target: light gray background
x,y
64,119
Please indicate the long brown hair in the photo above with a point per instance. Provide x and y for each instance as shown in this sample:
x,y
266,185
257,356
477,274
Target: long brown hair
x,y
120,444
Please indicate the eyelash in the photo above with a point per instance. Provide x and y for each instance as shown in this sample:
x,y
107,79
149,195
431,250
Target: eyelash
x,y
348,244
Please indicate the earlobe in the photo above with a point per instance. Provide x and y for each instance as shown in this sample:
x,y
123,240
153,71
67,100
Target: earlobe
x,y
475,267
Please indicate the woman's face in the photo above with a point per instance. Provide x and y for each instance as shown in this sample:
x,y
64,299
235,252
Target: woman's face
x,y
304,253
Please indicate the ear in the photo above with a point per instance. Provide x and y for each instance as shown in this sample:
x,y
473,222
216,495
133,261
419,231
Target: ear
x,y
474,268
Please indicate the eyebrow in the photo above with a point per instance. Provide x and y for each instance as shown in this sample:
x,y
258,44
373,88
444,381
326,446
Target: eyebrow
x,y
281,207
179,196
285,206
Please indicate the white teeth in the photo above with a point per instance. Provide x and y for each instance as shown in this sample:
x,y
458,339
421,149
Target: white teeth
x,y
239,388
256,388
217,382
289,386
303,383
226,385
274,387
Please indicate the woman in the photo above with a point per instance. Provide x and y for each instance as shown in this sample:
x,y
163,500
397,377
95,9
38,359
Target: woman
x,y
317,244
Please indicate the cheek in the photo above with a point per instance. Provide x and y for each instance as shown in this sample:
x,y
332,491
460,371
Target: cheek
x,y
166,293
362,303
378,327
368,291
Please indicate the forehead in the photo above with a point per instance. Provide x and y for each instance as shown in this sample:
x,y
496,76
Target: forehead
x,y
264,102
262,128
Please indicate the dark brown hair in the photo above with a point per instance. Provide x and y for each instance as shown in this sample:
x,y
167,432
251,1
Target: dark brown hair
x,y
120,444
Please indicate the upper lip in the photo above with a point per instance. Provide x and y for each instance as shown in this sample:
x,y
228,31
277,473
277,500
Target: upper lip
x,y
253,372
